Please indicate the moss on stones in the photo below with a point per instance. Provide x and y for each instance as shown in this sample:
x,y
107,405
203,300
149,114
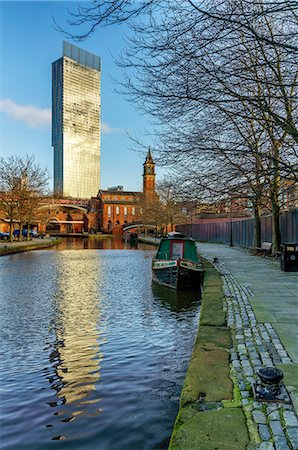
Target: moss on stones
x,y
223,429
208,375
208,380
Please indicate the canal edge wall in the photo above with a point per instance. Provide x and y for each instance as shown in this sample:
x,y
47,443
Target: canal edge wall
x,y
29,247
210,412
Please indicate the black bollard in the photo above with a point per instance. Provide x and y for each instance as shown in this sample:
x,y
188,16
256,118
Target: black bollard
x,y
269,386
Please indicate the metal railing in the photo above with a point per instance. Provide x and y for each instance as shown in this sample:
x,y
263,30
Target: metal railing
x,y
241,232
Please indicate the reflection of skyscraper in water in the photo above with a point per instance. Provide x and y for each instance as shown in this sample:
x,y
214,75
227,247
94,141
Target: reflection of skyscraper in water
x,y
76,356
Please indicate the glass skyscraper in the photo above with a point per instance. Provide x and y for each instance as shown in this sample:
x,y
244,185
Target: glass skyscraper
x,y
76,123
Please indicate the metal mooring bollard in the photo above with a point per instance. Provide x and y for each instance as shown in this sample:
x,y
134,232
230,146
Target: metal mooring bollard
x,y
269,387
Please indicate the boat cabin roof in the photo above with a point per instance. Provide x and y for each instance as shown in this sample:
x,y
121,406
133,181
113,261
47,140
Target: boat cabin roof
x,y
177,248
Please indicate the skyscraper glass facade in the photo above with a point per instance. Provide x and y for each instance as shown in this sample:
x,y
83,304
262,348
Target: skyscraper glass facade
x,y
76,123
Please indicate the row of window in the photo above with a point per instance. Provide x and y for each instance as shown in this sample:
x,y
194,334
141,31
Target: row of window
x,y
125,210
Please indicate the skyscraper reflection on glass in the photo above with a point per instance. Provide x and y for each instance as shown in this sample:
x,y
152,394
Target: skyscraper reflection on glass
x,y
76,123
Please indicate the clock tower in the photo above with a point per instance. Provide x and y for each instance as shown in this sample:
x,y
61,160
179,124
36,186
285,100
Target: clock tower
x,y
149,178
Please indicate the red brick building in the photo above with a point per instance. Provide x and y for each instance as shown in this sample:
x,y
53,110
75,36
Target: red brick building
x,y
119,208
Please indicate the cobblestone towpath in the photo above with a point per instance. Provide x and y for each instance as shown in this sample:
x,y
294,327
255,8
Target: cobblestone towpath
x,y
262,310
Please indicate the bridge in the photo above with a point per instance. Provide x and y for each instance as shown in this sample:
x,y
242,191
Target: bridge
x,y
138,225
60,205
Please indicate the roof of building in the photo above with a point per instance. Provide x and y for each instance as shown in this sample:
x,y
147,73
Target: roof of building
x,y
81,56
149,159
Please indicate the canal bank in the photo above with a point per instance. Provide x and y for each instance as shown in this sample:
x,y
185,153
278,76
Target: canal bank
x,y
248,320
10,248
210,414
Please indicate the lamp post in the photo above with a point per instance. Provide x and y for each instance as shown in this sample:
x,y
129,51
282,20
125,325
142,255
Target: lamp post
x,y
231,222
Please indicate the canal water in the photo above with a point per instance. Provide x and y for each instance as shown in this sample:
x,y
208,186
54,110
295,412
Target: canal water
x,y
93,354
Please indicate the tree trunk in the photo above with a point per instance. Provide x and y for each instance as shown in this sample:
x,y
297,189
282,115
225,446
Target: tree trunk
x,y
21,232
10,231
28,231
257,226
276,238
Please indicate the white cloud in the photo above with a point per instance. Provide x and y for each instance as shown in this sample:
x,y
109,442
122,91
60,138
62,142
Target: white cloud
x,y
106,129
34,117
37,117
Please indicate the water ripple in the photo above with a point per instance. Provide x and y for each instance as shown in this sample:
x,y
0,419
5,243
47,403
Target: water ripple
x,y
94,356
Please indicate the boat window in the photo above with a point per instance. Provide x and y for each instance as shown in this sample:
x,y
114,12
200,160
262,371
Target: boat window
x,y
177,250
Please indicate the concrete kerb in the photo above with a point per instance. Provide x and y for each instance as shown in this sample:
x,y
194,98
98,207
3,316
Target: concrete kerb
x,y
29,246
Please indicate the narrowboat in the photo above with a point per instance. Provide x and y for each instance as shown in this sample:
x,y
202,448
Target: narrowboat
x,y
176,263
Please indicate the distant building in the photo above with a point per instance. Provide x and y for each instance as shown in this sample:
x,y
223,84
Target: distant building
x,y
76,123
119,208
149,178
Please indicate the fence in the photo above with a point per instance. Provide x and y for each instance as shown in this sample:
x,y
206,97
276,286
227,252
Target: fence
x,y
241,232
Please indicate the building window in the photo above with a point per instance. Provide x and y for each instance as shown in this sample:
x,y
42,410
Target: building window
x,y
133,211
109,211
125,210
117,210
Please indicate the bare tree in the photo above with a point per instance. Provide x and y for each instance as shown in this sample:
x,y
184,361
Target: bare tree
x,y
219,78
22,184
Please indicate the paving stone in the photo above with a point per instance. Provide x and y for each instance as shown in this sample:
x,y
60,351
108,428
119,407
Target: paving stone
x,y
245,394
236,364
281,443
266,446
290,419
256,362
257,405
265,336
274,415
276,428
286,360
293,437
248,371
241,347
242,351
267,362
264,432
272,407
251,380
242,385
287,407
245,363
259,417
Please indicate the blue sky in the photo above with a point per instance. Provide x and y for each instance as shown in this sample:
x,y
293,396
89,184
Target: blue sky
x,y
28,46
